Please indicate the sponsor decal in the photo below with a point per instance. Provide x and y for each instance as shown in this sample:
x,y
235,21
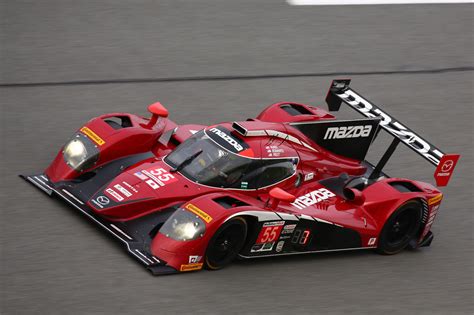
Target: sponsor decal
x,y
237,146
130,187
435,199
141,176
191,267
288,229
445,168
102,200
308,177
392,126
262,247
92,135
372,241
244,185
114,194
301,237
433,212
156,177
348,132
312,198
270,232
273,150
124,192
279,246
194,209
194,259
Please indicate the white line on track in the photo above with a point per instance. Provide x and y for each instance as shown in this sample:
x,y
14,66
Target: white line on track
x,y
369,2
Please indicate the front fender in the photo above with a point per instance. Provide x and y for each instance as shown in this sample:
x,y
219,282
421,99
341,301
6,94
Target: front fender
x,y
189,255
112,143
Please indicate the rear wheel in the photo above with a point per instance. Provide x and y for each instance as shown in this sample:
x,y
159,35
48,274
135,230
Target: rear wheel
x,y
226,243
400,228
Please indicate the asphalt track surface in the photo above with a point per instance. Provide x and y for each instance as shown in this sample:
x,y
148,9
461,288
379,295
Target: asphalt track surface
x,y
63,62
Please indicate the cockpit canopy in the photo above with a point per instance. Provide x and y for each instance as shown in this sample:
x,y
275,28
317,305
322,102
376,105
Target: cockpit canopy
x,y
203,160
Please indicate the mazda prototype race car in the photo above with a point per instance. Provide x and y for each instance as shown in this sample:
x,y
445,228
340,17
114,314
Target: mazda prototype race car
x,y
293,180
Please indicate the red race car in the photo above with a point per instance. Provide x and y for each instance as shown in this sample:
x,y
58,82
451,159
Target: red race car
x,y
293,180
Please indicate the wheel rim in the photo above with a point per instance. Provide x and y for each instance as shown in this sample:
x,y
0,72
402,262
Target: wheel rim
x,y
402,228
226,245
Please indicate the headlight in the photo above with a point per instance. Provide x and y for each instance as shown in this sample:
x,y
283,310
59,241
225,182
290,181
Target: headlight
x,y
183,226
75,153
80,153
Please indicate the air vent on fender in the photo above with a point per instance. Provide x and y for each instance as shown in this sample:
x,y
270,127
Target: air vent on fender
x,y
118,122
229,202
295,110
404,186
239,128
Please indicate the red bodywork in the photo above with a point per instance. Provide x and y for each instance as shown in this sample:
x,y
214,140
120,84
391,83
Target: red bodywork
x,y
277,139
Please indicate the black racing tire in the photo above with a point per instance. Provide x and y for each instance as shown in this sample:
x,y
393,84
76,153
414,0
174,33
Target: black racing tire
x,y
226,244
402,226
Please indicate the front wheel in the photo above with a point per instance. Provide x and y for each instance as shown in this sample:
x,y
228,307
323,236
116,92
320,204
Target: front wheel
x,y
226,243
400,228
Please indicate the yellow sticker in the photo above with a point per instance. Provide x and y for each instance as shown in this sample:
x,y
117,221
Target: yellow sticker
x,y
206,217
435,199
191,267
92,135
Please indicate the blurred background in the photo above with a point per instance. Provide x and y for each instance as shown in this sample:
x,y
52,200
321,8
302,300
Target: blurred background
x,y
66,61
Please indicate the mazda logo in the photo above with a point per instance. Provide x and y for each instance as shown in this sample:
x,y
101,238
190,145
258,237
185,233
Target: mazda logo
x,y
447,166
103,200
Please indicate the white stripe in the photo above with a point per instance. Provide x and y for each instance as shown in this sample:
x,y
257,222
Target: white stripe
x,y
72,196
123,233
143,260
37,184
310,252
157,260
261,215
39,180
369,2
141,254
287,216
309,147
306,217
322,221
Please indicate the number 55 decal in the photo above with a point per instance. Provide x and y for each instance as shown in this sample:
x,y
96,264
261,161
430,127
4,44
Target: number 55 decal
x,y
155,177
270,232
162,174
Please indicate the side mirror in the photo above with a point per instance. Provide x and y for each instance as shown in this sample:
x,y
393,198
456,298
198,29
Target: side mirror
x,y
354,195
277,195
157,110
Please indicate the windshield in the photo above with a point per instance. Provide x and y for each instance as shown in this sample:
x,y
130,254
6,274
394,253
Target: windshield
x,y
202,160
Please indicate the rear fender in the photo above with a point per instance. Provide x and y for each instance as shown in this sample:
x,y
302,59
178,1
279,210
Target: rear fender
x,y
383,198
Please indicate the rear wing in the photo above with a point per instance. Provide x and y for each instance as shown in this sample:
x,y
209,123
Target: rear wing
x,y
340,92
